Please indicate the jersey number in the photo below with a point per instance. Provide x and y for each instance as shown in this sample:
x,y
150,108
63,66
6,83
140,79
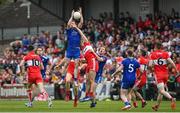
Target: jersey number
x,y
130,68
35,62
160,61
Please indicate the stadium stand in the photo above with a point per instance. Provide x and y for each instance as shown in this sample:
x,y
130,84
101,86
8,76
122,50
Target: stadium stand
x,y
15,16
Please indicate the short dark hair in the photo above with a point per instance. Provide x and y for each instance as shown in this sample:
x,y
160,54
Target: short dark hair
x,y
30,48
130,52
158,45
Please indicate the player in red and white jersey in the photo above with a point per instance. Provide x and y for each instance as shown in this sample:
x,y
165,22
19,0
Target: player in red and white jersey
x,y
34,65
141,78
159,60
92,66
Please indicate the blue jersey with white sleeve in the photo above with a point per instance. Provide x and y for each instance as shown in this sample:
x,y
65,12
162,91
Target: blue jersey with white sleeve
x,y
100,70
130,66
73,43
45,61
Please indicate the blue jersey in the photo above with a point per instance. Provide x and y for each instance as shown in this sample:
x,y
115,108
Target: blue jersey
x,y
129,69
45,61
100,70
73,43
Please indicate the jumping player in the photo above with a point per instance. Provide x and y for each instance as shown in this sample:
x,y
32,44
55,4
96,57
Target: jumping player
x,y
34,66
159,60
73,44
92,66
141,81
98,77
129,67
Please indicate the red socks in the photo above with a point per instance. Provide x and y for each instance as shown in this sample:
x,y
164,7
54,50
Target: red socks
x,y
29,93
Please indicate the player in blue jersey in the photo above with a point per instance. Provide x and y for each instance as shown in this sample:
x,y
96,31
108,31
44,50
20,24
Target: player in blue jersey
x,y
129,67
73,40
45,61
72,47
102,61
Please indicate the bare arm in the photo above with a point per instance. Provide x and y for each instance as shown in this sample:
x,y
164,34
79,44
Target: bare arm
x,y
60,63
97,56
22,69
42,66
172,63
70,20
81,19
118,70
50,67
82,34
150,66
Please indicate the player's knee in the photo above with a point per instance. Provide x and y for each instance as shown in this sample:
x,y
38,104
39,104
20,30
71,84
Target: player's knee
x,y
68,78
92,74
40,86
160,87
122,95
91,80
76,65
134,89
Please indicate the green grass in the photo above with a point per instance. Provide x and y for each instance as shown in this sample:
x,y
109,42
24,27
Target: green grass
x,y
62,106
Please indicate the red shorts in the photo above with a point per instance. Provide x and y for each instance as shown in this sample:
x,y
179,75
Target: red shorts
x,y
92,63
161,78
34,78
140,83
70,69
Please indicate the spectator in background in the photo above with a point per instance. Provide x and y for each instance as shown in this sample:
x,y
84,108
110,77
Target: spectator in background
x,y
25,41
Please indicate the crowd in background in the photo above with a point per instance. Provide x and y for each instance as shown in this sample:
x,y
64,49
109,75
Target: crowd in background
x,y
115,36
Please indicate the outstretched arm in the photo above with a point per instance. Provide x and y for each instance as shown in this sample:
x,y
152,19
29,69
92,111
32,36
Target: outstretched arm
x,y
118,70
97,56
81,19
60,63
70,20
82,34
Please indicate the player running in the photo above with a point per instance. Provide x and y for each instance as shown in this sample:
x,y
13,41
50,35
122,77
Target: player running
x,y
92,66
141,81
34,66
129,67
159,60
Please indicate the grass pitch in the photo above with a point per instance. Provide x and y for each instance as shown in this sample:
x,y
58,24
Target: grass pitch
x,y
62,106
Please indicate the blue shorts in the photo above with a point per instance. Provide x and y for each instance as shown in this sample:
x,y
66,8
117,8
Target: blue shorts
x,y
98,78
73,54
127,84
